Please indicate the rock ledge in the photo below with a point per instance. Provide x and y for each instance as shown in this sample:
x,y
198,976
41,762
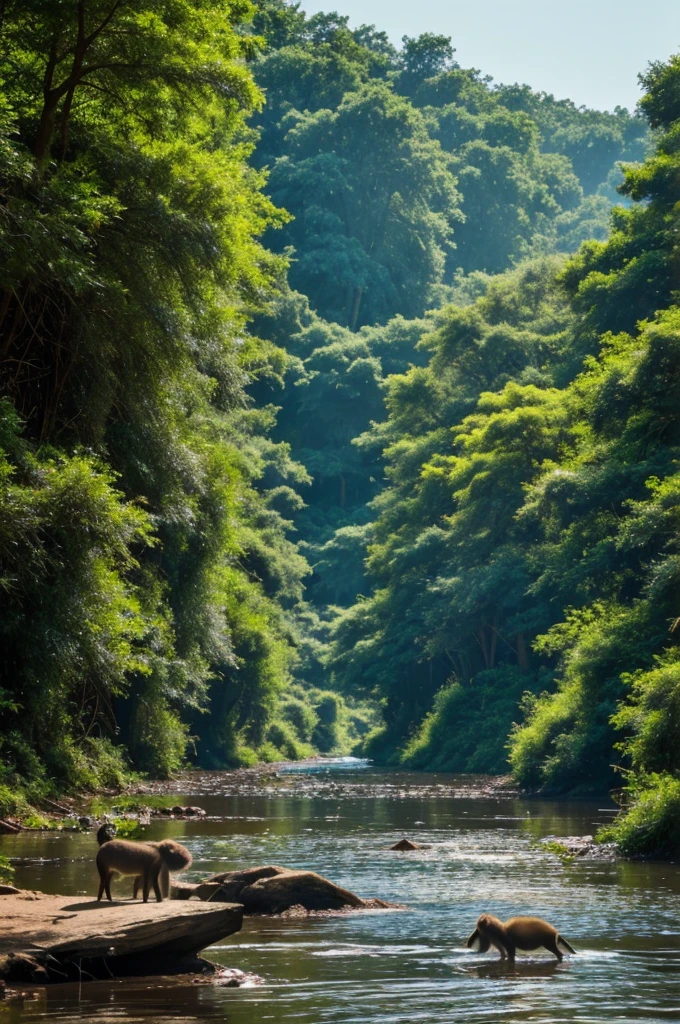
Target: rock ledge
x,y
45,938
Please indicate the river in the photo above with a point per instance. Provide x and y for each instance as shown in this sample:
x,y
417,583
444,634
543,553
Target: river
x,y
390,966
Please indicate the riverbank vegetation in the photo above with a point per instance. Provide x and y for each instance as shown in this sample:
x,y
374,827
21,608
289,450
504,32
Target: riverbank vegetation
x,y
339,407
524,556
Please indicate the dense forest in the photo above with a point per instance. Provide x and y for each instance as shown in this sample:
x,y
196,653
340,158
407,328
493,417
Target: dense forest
x,y
340,394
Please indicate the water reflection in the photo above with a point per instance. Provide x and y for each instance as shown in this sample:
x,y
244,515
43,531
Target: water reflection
x,y
624,919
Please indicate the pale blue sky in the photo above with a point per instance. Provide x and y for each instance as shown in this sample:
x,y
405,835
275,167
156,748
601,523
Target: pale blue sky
x,y
587,50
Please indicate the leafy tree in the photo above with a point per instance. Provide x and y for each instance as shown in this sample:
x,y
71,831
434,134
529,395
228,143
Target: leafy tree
x,y
421,58
374,202
593,140
501,204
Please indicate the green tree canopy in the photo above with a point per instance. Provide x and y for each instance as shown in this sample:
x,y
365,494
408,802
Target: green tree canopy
x,y
375,202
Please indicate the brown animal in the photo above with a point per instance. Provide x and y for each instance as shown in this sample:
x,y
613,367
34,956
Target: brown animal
x,y
526,933
150,863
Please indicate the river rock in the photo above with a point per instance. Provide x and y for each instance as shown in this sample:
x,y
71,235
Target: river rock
x,y
271,890
205,891
582,846
40,932
232,977
180,811
405,844
20,967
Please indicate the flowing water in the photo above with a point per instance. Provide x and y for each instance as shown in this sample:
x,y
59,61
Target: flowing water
x,y
391,966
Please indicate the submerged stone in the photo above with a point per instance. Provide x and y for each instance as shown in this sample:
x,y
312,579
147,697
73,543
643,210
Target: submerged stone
x,y
405,844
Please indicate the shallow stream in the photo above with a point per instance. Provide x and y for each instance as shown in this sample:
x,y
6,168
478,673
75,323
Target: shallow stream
x,y
390,966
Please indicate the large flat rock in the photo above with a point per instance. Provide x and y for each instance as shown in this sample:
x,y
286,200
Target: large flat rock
x,y
68,927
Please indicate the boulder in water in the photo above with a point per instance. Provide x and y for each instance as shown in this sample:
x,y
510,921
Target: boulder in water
x,y
272,890
405,844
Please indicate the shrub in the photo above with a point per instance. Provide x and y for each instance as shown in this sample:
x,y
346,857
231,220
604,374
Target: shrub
x,y
379,745
268,753
90,764
566,742
12,802
468,727
6,870
282,736
158,738
650,825
545,718
652,716
246,757
301,716
327,733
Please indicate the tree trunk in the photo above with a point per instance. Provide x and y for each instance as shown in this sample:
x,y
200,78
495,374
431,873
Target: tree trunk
x,y
492,647
53,94
522,653
356,304
46,129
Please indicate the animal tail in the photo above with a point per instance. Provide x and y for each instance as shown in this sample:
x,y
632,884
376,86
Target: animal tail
x,y
174,855
564,946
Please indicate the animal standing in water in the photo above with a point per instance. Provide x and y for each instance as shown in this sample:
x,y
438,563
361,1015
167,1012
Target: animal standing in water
x,y
150,863
525,933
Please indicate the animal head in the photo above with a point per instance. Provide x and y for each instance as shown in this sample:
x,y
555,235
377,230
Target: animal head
x,y
176,856
105,832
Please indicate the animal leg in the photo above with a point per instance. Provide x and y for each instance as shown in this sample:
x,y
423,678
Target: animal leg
x,y
102,882
156,888
107,876
136,886
164,881
500,947
507,952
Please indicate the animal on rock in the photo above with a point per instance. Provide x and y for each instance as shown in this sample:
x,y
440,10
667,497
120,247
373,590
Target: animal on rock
x,y
150,863
525,933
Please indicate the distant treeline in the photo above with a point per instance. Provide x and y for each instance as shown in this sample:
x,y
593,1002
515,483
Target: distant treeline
x,y
308,406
